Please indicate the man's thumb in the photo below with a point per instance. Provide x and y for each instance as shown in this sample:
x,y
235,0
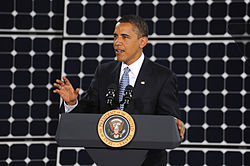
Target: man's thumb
x,y
77,90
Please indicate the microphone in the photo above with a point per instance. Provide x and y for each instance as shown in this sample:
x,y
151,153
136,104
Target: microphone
x,y
128,93
110,96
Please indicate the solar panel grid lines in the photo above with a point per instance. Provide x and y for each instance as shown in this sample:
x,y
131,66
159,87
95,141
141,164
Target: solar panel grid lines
x,y
165,19
78,156
178,156
204,42
201,85
27,103
28,153
39,16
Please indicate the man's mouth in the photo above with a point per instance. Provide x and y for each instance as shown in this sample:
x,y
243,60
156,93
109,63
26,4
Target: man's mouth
x,y
119,51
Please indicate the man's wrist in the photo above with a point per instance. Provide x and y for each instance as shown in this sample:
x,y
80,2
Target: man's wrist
x,y
69,108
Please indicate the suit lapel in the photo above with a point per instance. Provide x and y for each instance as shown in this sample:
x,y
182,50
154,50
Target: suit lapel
x,y
115,73
143,79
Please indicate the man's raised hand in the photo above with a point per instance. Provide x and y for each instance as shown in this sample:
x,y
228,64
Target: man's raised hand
x,y
66,91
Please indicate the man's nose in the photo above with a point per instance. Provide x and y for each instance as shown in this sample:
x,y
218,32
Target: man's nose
x,y
117,41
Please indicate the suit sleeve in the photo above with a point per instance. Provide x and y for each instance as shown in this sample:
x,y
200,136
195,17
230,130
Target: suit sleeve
x,y
168,100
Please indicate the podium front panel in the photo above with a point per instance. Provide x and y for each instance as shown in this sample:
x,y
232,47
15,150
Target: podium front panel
x,y
152,132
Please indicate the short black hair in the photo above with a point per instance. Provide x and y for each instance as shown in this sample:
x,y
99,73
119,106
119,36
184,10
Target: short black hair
x,y
138,22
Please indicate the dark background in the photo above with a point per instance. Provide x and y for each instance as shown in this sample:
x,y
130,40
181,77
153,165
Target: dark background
x,y
205,43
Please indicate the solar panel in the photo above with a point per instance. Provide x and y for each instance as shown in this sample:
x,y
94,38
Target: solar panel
x,y
28,153
27,99
179,156
204,42
31,16
208,84
174,18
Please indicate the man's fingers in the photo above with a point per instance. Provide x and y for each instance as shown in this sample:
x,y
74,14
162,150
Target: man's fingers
x,y
181,135
178,123
66,91
57,91
181,128
57,85
60,82
66,80
77,90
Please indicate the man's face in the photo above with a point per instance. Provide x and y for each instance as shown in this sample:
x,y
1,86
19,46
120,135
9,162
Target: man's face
x,y
127,45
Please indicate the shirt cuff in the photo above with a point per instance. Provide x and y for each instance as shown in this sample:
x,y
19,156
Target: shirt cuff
x,y
69,108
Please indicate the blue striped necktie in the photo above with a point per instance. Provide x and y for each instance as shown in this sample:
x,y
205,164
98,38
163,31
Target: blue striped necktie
x,y
123,83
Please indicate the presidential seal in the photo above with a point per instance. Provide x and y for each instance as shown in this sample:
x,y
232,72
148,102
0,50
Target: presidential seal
x,y
116,128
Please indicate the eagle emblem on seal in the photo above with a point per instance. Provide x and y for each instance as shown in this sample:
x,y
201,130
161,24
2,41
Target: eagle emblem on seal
x,y
116,128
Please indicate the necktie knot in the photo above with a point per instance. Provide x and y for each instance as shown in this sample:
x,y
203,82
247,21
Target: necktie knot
x,y
126,70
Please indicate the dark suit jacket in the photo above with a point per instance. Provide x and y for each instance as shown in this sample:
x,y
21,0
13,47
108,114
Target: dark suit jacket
x,y
154,93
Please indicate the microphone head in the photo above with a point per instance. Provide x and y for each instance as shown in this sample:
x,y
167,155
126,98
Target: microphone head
x,y
129,88
128,93
110,96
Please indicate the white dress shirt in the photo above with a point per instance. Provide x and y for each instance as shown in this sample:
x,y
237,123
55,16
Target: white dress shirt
x,y
133,73
134,70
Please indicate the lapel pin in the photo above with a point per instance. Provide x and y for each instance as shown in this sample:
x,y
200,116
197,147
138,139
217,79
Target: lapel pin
x,y
143,83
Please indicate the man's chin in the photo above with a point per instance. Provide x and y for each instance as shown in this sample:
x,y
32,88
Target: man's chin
x,y
120,58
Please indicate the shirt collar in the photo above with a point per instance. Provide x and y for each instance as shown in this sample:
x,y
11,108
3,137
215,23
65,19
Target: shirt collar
x,y
134,67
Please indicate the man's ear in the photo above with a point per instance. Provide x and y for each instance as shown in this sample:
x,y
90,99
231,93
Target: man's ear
x,y
143,41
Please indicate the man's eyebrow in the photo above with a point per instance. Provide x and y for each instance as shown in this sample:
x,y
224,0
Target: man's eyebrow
x,y
124,34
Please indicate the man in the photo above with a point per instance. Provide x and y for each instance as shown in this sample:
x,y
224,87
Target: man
x,y
155,89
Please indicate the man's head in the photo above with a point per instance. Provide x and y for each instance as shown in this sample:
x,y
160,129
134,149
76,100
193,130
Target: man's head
x,y
130,36
139,25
